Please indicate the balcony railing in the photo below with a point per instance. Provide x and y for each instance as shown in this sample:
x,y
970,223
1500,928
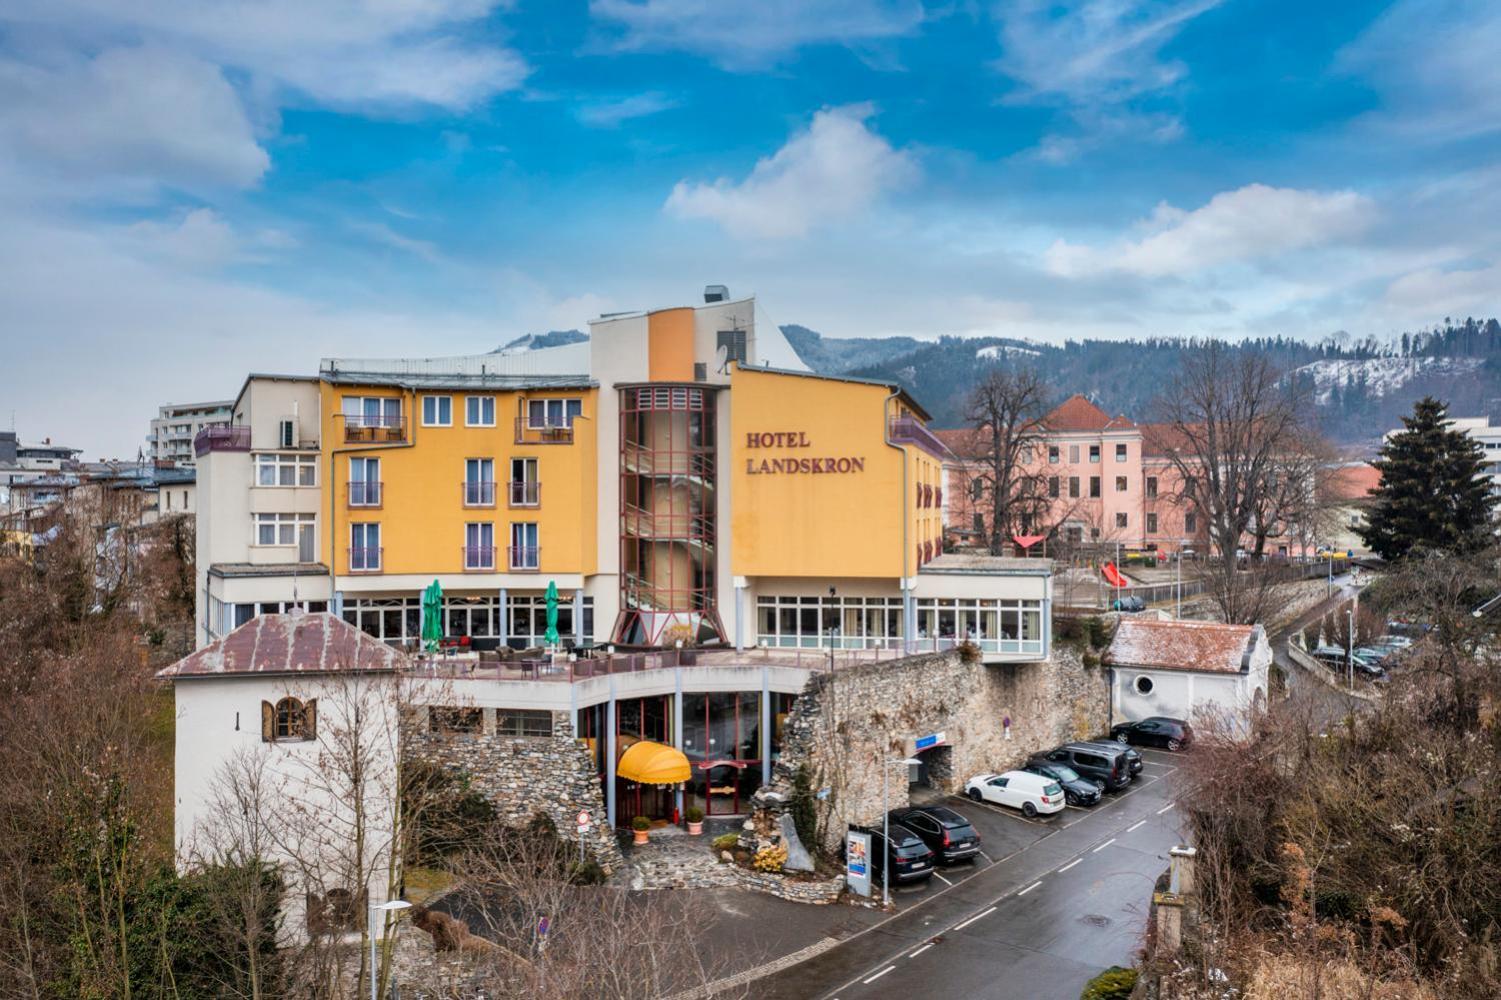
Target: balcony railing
x,y
478,493
375,429
365,493
907,430
365,559
524,558
527,434
479,558
524,493
226,437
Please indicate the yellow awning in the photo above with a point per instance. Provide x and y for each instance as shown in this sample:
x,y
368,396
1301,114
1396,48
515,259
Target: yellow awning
x,y
653,764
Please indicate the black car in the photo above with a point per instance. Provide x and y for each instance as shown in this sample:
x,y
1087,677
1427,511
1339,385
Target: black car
x,y
946,833
1077,789
1107,762
1133,759
910,858
1157,731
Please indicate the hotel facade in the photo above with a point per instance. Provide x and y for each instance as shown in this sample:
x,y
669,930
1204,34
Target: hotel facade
x,y
683,480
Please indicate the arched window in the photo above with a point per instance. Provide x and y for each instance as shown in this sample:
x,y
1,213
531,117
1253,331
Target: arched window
x,y
289,719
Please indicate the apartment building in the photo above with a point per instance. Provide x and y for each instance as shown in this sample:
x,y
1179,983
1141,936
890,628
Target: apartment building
x,y
176,425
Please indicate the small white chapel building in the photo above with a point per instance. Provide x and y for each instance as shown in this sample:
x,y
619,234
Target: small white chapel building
x,y
1187,669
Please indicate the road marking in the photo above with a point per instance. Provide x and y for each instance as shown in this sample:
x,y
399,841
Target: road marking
x,y
878,975
987,857
1106,844
1069,865
1029,888
1166,808
946,881
921,950
977,916
1133,826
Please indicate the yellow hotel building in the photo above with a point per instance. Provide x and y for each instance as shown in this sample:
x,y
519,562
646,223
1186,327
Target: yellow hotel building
x,y
682,476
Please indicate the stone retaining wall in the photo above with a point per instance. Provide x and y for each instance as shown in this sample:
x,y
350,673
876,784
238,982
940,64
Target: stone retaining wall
x,y
817,892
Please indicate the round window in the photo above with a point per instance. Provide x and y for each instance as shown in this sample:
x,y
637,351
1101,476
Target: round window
x,y
1143,685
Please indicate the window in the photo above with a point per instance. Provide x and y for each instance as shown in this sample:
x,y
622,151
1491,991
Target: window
x,y
479,411
1053,487
1120,519
479,482
364,548
1073,487
437,411
1151,524
1094,487
552,412
1094,534
1094,453
524,550
1151,487
525,489
1143,684
1120,453
1190,523
372,411
1025,455
286,434
364,482
976,488
522,722
286,470
479,546
289,720
1120,484
282,529
1052,454
445,720
1073,454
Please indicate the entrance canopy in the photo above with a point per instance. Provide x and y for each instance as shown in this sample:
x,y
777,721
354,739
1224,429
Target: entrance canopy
x,y
653,764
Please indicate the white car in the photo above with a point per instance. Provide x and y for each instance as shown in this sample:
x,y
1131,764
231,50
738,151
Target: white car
x,y
1033,794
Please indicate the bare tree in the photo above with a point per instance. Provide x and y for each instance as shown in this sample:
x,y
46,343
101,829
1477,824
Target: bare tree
x,y
1225,419
1006,409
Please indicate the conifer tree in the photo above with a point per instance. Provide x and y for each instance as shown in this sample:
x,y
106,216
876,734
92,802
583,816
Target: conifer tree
x,y
1434,493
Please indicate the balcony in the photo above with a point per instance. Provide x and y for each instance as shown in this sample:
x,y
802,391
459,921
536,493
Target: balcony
x,y
365,559
525,493
365,494
524,558
225,437
907,430
374,429
527,434
479,558
478,493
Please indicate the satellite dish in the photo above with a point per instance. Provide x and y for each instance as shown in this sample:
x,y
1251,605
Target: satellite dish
x,y
722,359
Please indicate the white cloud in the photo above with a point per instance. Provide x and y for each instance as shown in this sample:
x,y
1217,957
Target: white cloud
x,y
1246,224
749,34
379,232
611,114
140,115
200,239
1093,59
831,172
1447,292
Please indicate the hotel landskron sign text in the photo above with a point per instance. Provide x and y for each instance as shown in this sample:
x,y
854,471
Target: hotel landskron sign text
x,y
797,464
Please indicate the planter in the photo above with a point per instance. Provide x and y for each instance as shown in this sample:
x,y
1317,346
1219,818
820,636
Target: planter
x,y
640,836
694,829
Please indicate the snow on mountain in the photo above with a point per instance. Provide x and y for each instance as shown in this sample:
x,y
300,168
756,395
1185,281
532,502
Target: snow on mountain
x,y
997,350
1382,375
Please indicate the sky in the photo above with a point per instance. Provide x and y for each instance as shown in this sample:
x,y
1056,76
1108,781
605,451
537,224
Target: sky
x,y
191,190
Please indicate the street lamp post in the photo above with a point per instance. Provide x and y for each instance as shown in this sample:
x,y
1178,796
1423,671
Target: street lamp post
x,y
383,908
886,826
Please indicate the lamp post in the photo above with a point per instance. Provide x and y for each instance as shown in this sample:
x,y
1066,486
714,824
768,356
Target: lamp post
x,y
383,908
886,826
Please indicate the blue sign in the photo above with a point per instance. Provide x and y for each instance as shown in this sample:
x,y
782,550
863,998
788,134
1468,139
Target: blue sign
x,y
929,741
542,926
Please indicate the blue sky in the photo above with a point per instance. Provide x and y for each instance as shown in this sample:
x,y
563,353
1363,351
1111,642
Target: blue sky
x,y
192,189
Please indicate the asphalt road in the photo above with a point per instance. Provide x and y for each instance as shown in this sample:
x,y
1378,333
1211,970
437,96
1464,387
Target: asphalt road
x,y
1053,902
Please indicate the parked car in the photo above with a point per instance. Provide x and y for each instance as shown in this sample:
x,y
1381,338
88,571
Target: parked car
x,y
1392,642
1032,793
909,857
1128,604
948,835
1107,764
1133,758
1375,654
1157,731
1077,789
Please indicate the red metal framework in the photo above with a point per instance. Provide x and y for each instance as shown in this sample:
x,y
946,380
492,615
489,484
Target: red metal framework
x,y
667,524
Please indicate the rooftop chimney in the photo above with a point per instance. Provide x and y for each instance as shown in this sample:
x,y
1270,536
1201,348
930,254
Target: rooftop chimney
x,y
716,293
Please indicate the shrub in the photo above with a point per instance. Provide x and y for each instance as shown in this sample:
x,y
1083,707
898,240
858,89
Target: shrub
x,y
801,805
1068,629
771,859
640,823
694,814
586,873
969,652
1091,660
1115,983
725,841
1099,632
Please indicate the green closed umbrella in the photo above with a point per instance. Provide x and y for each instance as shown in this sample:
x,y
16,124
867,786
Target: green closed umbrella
x,y
551,635
432,616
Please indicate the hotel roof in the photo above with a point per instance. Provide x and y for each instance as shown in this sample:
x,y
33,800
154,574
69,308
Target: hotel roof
x,y
1183,645
289,644
1077,413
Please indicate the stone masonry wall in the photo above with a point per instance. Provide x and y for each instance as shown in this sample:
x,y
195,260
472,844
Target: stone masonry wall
x,y
522,776
846,723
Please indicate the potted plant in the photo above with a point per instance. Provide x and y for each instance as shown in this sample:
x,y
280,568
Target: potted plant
x,y
695,817
639,826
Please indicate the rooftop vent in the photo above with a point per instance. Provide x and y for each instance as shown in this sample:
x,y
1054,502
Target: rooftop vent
x,y
716,293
